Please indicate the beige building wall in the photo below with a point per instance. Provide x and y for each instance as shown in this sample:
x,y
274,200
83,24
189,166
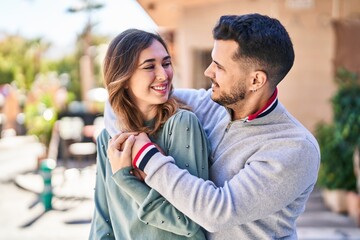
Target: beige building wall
x,y
307,89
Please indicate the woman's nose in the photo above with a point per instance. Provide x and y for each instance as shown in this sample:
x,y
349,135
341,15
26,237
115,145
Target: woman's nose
x,y
161,74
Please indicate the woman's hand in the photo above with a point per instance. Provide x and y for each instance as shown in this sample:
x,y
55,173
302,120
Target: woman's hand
x,y
119,151
141,140
122,150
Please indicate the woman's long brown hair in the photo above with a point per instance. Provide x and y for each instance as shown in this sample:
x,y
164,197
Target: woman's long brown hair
x,y
120,64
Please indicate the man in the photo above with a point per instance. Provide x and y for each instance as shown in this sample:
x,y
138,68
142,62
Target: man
x,y
264,163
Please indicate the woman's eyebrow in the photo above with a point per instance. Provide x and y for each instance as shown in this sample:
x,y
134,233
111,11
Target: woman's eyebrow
x,y
167,58
153,60
147,61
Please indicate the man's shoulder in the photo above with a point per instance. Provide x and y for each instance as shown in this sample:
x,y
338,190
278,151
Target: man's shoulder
x,y
297,133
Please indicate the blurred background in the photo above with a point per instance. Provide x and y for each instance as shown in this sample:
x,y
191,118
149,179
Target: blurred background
x,y
52,99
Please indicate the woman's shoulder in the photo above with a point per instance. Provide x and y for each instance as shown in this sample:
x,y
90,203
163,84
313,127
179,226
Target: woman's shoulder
x,y
182,116
103,137
182,120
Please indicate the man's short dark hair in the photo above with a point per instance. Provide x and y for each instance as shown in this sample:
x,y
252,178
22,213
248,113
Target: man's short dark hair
x,y
263,41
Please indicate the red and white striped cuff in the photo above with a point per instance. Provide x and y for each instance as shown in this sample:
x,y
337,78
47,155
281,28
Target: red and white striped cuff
x,y
144,155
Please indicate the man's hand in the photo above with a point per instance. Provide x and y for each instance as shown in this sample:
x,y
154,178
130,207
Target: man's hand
x,y
119,151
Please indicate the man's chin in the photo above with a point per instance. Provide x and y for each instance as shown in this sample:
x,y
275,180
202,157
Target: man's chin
x,y
215,99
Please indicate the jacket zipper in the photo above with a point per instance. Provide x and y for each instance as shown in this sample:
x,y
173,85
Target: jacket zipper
x,y
226,130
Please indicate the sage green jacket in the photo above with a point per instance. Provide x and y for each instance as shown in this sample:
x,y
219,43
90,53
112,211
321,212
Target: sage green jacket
x,y
128,209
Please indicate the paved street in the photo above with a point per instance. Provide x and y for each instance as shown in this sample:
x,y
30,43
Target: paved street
x,y
22,217
318,223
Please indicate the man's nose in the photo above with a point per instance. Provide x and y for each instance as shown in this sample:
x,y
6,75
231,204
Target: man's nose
x,y
209,72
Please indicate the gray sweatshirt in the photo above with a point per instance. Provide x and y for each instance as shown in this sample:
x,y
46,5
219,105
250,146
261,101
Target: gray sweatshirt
x,y
262,172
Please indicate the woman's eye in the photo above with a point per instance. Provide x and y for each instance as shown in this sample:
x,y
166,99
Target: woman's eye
x,y
167,64
149,67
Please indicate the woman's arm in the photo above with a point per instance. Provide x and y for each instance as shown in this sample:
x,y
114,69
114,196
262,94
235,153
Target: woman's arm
x,y
100,226
157,212
187,141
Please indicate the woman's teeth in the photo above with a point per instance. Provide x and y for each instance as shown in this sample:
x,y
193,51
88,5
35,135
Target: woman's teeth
x,y
160,88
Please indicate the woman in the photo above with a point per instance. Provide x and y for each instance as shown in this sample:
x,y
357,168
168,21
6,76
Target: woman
x,y
138,76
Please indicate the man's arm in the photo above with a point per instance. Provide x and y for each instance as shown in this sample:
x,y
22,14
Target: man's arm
x,y
110,120
264,186
199,101
101,227
201,104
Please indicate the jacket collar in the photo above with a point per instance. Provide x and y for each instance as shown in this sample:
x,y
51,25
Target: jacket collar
x,y
269,107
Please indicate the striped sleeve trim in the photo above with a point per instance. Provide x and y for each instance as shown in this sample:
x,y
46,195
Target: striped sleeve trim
x,y
144,155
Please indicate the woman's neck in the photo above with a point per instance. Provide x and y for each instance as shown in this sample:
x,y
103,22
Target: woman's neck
x,y
149,113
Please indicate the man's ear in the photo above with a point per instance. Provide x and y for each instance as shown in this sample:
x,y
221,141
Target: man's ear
x,y
259,78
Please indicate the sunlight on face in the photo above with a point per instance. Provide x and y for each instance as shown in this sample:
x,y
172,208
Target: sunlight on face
x,y
150,84
228,76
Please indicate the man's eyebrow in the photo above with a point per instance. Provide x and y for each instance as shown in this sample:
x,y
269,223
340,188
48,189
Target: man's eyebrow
x,y
218,64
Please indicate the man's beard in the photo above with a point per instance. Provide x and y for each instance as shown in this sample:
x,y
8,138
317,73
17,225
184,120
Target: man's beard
x,y
237,94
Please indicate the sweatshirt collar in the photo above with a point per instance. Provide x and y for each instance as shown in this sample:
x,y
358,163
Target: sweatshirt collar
x,y
269,106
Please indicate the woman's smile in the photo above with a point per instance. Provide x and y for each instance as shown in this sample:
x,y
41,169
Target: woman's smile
x,y
161,88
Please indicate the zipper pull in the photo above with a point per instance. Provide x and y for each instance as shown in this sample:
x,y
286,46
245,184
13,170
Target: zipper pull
x,y
228,127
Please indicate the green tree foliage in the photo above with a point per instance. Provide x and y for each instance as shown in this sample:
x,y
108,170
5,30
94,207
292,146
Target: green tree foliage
x,y
20,60
338,139
40,117
68,65
346,107
22,63
336,169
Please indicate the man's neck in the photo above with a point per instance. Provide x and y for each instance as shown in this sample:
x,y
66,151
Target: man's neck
x,y
253,106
